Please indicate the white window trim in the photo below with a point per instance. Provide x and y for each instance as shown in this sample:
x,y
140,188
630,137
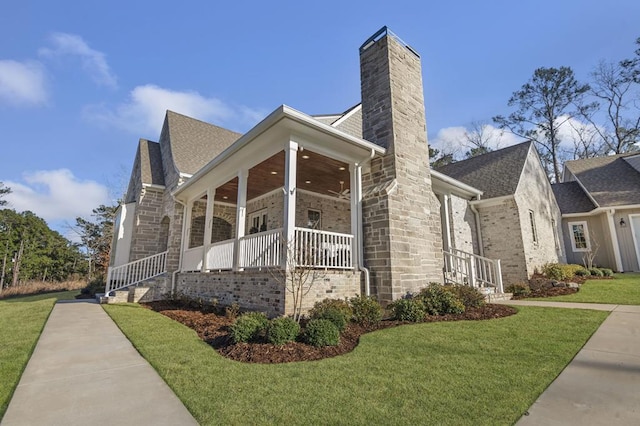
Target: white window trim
x,y
586,236
534,228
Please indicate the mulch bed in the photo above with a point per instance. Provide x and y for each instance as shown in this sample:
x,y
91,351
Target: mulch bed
x,y
214,329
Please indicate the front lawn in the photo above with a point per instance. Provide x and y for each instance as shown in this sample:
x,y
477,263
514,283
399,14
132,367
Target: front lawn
x,y
624,289
466,372
21,322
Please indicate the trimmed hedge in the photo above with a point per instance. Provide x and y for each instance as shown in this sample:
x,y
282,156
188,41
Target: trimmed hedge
x,y
282,330
408,310
248,327
321,332
366,310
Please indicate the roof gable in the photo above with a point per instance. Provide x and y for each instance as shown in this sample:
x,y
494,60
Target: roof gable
x,y
571,198
151,170
194,143
496,173
610,181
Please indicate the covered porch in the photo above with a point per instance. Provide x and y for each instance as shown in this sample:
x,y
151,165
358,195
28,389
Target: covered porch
x,y
285,195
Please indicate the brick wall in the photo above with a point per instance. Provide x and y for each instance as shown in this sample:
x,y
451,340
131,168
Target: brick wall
x,y
147,228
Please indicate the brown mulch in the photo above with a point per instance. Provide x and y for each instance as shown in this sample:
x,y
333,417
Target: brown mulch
x,y
214,329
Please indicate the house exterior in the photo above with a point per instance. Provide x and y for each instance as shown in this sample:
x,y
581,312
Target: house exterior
x,y
518,216
600,203
214,214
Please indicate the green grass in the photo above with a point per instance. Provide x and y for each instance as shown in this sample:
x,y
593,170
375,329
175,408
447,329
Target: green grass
x,y
21,322
471,372
623,290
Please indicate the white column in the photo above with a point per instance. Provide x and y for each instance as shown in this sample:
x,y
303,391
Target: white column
x,y
208,220
614,240
241,216
290,175
355,174
186,227
447,223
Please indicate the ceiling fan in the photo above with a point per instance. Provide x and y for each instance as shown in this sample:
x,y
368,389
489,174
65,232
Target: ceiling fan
x,y
343,194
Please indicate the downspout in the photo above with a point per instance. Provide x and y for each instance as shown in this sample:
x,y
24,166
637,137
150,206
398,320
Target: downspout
x,y
476,214
173,275
358,194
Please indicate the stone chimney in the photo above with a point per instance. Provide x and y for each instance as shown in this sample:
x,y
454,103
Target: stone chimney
x,y
401,214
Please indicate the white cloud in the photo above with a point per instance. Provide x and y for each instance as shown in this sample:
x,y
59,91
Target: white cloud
x,y
93,61
56,195
453,140
22,83
144,111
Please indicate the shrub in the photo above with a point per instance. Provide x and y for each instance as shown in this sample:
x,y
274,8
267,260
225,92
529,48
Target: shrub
x,y
438,301
583,272
337,311
321,332
408,310
97,285
606,272
248,326
282,330
518,289
469,296
232,311
560,272
336,316
366,310
595,272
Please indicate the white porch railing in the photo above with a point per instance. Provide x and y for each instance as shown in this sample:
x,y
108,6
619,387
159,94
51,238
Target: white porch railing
x,y
323,249
192,259
261,250
220,255
465,268
135,272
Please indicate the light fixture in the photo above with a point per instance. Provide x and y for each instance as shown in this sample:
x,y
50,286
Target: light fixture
x,y
307,181
225,197
341,168
274,172
622,222
306,157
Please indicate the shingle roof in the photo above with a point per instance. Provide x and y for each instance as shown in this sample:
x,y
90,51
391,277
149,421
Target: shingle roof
x,y
151,170
611,181
495,173
571,198
194,143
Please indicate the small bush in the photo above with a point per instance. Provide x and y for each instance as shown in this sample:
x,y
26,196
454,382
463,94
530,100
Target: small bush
x,y
232,311
335,310
282,330
408,310
583,272
469,296
366,310
595,272
248,327
606,272
438,301
518,289
336,316
321,332
560,272
97,285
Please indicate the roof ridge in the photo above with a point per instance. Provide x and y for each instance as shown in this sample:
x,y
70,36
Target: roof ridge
x,y
198,120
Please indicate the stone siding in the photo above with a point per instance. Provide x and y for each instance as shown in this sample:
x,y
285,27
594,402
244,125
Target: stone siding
x,y
147,228
534,194
402,232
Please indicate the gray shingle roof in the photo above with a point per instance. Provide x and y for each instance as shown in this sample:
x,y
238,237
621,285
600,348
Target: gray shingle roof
x,y
611,181
496,173
151,170
571,198
194,143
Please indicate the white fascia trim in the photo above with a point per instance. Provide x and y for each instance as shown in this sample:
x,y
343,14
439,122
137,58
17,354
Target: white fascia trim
x,y
347,115
280,113
488,202
153,186
602,210
456,185
185,175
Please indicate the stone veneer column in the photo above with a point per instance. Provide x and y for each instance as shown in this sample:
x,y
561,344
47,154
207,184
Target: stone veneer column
x,y
401,214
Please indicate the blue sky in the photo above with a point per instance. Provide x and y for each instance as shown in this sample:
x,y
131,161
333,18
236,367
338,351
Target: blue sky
x,y
81,82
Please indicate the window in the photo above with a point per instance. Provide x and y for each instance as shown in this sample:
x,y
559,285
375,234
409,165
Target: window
x,y
579,236
534,231
314,219
258,221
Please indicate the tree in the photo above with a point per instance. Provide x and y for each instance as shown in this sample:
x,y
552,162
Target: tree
x,y
439,159
549,100
4,190
96,237
613,85
478,139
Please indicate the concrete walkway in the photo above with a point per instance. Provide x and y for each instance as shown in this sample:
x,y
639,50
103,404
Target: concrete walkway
x,y
601,385
84,371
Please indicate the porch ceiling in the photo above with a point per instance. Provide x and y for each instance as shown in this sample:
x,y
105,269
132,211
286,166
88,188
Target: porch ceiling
x,y
316,173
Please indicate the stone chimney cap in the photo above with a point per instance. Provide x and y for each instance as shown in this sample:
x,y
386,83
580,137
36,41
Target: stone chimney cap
x,y
381,33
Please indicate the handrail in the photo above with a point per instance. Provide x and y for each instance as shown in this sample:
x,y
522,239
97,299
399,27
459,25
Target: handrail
x,y
135,272
324,249
465,268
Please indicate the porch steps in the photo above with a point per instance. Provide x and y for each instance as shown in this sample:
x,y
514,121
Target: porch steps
x,y
134,293
497,297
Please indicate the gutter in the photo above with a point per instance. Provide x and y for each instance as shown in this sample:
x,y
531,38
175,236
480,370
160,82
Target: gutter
x,y
476,214
358,194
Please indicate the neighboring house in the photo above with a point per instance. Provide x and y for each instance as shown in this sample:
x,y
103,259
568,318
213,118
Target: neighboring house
x,y
519,219
600,203
216,214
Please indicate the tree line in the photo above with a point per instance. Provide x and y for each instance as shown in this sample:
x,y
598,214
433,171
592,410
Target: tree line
x,y
31,251
602,116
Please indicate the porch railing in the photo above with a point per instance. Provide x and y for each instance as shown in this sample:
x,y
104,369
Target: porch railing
x,y
465,268
135,272
261,250
220,255
323,249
